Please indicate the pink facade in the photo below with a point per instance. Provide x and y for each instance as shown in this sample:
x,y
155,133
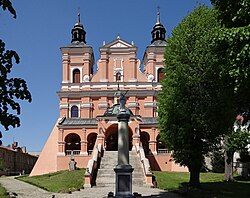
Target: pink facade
x,y
85,97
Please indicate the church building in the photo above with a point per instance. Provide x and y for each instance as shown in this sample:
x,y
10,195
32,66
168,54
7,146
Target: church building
x,y
88,103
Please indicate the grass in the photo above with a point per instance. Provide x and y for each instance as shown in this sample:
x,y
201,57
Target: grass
x,y
212,185
3,192
62,181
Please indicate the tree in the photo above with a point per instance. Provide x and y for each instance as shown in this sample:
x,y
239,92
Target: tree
x,y
233,44
11,89
217,161
6,4
233,13
194,104
237,140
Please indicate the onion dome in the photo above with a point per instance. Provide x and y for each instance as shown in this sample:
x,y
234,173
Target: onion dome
x,y
159,32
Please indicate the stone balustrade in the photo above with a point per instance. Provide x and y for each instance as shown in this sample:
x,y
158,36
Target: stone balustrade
x,y
91,170
145,163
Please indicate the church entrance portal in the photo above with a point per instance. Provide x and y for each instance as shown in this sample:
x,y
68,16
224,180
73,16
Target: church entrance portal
x,y
111,138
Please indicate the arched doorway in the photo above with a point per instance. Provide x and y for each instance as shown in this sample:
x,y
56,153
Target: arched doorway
x,y
91,142
144,137
111,138
72,143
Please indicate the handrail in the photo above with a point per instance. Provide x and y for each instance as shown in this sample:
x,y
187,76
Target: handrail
x,y
146,166
93,165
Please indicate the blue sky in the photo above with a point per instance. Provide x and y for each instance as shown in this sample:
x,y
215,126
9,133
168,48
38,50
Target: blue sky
x,y
42,27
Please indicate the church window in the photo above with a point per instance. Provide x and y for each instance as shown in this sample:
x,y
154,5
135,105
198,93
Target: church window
x,y
160,74
118,76
74,112
157,35
75,35
76,76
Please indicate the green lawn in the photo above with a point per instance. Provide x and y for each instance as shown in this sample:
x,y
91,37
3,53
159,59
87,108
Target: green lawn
x,y
62,181
212,185
3,192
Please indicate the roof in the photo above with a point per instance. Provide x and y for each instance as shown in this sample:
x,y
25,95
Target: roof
x,y
76,44
159,43
77,122
94,121
149,120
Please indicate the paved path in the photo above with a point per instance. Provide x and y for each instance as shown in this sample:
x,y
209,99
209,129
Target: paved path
x,y
24,190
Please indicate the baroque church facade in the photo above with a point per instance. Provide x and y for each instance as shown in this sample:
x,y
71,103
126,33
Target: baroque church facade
x,y
88,102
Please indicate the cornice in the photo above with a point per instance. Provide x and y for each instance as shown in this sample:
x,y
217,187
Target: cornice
x,y
106,93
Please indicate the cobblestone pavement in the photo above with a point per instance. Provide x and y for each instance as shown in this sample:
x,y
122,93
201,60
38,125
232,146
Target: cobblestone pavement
x,y
24,190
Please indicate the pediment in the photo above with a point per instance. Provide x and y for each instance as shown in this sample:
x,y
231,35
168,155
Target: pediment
x,y
118,43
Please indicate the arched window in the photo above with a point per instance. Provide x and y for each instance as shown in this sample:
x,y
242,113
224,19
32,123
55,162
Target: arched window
x,y
157,35
72,144
74,112
163,35
76,76
160,74
118,76
75,35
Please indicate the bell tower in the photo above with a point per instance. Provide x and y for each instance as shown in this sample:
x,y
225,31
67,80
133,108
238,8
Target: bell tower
x,y
154,53
77,69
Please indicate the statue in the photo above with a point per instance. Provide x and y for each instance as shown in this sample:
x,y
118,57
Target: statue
x,y
72,163
122,102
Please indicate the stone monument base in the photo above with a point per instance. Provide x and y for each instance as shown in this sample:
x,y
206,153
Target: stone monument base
x,y
123,178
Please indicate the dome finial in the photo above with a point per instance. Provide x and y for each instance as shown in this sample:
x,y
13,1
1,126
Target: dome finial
x,y
158,15
118,36
79,18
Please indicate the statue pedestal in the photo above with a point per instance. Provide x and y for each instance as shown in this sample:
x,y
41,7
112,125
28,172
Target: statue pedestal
x,y
123,177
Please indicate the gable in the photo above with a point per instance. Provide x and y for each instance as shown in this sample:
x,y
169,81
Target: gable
x,y
118,43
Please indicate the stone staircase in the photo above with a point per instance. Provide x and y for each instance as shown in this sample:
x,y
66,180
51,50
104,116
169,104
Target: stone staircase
x,y
106,174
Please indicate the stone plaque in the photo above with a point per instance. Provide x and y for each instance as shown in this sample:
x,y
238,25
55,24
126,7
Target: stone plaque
x,y
123,183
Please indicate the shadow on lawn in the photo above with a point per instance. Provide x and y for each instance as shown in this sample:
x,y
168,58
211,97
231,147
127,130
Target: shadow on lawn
x,y
217,190
240,178
164,195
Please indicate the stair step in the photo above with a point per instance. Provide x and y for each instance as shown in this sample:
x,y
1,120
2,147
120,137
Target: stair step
x,y
106,174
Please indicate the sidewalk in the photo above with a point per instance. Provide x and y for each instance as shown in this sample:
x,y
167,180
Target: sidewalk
x,y
24,190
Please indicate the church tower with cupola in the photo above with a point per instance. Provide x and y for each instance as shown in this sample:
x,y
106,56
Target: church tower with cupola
x,y
78,62
154,54
89,106
78,57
